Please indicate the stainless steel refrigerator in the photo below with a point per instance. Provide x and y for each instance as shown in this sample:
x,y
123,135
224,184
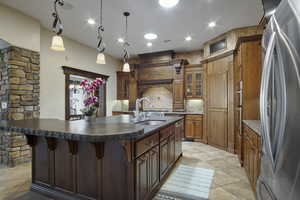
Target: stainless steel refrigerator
x,y
280,105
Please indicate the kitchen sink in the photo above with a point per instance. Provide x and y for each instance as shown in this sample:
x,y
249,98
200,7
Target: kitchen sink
x,y
151,122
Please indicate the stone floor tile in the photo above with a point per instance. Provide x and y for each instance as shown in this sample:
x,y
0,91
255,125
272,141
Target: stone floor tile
x,y
222,178
221,194
240,189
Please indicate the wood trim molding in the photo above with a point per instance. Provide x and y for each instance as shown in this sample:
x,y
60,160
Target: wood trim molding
x,y
31,140
210,59
248,39
68,71
51,142
155,82
99,148
73,147
79,72
128,148
160,64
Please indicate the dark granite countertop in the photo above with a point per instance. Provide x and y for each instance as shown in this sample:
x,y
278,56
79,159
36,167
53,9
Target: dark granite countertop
x,y
101,129
255,125
166,112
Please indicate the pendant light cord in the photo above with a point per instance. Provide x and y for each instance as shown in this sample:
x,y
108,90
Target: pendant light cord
x,y
101,45
57,26
126,44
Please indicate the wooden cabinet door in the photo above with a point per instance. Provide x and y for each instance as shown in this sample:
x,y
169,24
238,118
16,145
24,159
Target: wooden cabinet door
x,y
198,84
189,128
154,167
142,177
246,155
217,103
126,88
164,153
178,95
171,147
239,147
194,82
198,129
119,87
122,85
188,84
217,128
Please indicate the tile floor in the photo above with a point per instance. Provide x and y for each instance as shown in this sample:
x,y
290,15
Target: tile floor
x,y
230,181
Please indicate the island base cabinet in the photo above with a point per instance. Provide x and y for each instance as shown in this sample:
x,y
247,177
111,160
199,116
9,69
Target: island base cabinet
x,y
142,176
154,167
147,173
109,170
65,169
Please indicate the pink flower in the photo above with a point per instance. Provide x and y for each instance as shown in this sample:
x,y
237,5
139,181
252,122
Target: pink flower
x,y
91,100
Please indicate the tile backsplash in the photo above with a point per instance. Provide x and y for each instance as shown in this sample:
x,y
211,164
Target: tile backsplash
x,y
120,105
160,97
194,105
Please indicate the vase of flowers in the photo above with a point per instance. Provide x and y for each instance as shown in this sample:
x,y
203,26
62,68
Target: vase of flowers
x,y
90,100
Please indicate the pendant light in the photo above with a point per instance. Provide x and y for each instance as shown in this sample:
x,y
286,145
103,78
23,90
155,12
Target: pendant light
x,y
126,66
57,27
101,45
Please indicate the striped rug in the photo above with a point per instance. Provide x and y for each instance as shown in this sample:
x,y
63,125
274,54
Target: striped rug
x,y
187,183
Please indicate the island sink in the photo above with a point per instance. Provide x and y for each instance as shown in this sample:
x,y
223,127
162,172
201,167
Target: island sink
x,y
151,122
105,159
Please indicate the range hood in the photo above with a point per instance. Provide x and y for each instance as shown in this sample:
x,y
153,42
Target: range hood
x,y
269,7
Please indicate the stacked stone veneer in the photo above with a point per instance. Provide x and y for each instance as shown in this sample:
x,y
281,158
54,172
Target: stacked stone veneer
x,y
20,90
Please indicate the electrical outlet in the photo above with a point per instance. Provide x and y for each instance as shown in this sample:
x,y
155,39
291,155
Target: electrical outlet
x,y
3,105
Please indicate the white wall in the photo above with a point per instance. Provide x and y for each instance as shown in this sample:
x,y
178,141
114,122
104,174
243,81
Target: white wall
x,y
19,29
52,79
23,31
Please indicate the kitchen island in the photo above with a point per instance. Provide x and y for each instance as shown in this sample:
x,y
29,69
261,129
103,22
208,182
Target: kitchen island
x,y
108,158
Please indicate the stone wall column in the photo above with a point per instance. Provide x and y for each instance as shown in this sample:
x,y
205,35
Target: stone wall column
x,y
20,91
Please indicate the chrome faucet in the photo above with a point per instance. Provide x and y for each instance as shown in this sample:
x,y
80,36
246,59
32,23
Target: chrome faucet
x,y
137,116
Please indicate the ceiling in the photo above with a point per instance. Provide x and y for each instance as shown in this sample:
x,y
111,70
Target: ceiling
x,y
189,17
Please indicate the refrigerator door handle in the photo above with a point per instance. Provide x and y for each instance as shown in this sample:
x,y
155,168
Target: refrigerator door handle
x,y
264,104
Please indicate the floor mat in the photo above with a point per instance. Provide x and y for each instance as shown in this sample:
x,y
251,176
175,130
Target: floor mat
x,y
187,183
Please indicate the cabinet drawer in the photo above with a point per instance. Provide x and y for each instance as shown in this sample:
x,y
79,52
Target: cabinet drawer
x,y
165,133
194,117
145,144
252,136
174,115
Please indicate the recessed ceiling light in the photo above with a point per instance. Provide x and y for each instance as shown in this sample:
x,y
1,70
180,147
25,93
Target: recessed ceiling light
x,y
121,40
91,21
150,36
212,24
168,3
149,44
188,38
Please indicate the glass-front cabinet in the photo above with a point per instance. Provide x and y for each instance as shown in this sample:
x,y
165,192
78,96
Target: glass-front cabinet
x,y
194,81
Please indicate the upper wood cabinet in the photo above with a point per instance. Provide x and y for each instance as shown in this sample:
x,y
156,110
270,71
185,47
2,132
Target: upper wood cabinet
x,y
178,84
193,81
123,80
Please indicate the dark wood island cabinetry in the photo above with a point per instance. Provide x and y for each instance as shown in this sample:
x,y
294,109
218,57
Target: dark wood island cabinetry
x,y
105,159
